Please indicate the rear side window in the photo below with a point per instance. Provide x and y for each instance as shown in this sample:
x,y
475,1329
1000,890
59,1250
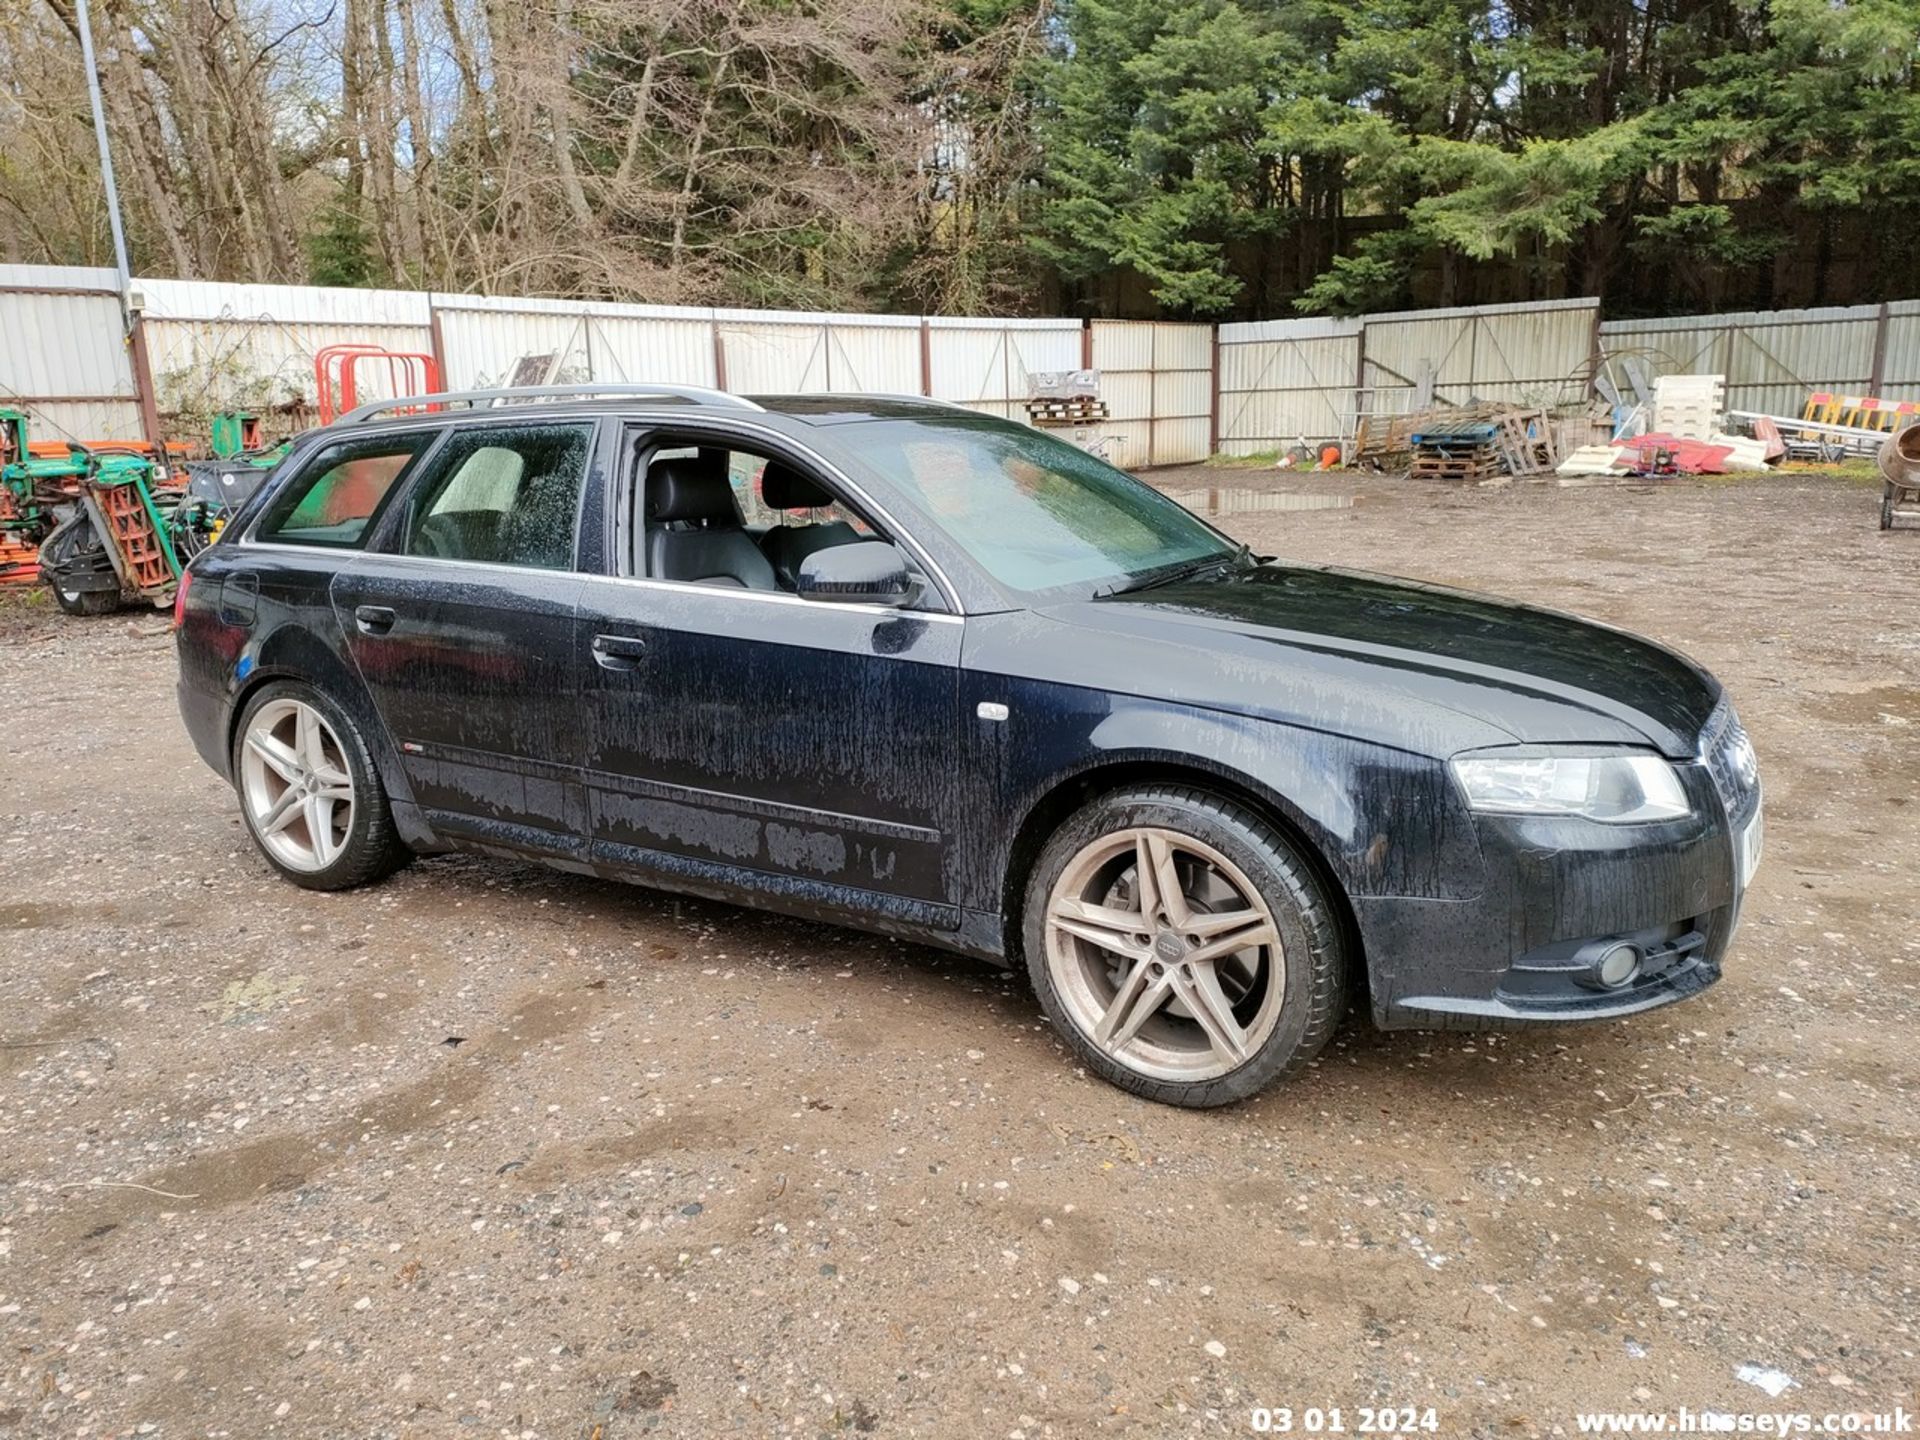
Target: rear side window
x,y
335,498
501,495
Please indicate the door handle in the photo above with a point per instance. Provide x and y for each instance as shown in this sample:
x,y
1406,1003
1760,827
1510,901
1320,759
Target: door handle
x,y
373,619
618,652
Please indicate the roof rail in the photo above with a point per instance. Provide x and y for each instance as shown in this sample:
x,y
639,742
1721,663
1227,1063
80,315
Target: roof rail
x,y
512,394
903,395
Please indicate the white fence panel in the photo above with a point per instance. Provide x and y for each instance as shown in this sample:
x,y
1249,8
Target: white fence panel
x,y
985,364
637,349
1157,381
1182,394
1900,357
1772,359
486,339
1286,380
786,358
215,346
1123,354
1530,354
62,356
815,354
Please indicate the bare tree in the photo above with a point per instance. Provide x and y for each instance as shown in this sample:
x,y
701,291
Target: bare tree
x,y
840,152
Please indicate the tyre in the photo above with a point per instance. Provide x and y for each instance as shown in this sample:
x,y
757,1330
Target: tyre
x,y
1183,947
1886,508
84,602
309,794
74,563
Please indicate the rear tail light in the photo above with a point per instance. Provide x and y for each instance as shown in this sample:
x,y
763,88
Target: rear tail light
x,y
180,598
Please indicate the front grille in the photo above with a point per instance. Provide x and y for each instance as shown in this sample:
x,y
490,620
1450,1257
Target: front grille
x,y
1729,758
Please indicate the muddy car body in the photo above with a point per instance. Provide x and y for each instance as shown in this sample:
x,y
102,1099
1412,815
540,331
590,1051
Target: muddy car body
x,y
1202,796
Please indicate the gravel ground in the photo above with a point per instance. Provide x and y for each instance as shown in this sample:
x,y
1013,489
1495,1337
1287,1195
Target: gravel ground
x,y
494,1151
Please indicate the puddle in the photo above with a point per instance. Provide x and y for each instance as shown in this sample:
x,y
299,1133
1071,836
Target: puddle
x,y
31,915
1245,499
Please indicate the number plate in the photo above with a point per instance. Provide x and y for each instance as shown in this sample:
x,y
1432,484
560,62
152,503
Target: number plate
x,y
1747,847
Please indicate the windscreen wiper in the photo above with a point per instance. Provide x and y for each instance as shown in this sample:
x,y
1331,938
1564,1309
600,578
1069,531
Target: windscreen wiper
x,y
1241,559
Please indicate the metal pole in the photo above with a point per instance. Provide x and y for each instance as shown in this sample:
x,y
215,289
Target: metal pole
x,y
106,157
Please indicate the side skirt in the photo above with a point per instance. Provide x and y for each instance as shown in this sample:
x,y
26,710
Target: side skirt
x,y
923,922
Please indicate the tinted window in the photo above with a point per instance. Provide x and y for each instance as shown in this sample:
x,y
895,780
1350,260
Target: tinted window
x,y
334,499
506,495
1034,512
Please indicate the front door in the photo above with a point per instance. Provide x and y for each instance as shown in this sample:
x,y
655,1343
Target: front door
x,y
461,623
741,735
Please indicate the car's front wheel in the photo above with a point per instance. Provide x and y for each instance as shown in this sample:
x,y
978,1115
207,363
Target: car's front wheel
x,y
309,793
1183,946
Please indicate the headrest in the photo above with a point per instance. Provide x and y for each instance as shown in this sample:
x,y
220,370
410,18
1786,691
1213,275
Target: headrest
x,y
689,488
784,488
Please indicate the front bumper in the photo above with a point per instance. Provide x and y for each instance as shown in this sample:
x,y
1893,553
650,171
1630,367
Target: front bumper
x,y
1557,892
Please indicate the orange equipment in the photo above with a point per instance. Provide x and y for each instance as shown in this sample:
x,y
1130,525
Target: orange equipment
x,y
336,375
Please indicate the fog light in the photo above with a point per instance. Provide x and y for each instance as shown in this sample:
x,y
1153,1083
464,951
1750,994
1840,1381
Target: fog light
x,y
1617,966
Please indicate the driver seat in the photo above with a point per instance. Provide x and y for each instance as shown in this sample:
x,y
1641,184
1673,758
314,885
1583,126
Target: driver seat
x,y
694,532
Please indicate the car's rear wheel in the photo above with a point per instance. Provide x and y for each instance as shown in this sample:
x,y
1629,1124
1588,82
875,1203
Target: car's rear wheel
x,y
1183,946
309,793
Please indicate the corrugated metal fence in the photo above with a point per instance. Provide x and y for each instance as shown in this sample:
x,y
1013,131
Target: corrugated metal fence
x,y
199,348
1175,392
61,353
1773,359
1282,381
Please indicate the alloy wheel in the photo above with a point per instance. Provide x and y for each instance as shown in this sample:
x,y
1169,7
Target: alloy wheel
x,y
296,785
1164,955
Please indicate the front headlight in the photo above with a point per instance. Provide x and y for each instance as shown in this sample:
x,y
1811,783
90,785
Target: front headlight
x,y
1613,789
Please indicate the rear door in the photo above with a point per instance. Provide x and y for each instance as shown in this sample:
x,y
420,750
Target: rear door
x,y
461,623
749,737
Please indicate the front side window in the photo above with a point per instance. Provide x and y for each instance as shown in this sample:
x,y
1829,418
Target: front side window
x,y
334,499
1037,514
502,495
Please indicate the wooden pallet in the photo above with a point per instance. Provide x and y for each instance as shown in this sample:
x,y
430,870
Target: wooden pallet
x,y
1080,410
1525,440
1457,463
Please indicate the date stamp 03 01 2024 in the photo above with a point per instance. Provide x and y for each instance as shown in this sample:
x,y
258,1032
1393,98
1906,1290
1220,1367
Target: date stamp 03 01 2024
x,y
1410,1420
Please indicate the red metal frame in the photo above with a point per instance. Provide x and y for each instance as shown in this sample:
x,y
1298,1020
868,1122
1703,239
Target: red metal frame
x,y
335,370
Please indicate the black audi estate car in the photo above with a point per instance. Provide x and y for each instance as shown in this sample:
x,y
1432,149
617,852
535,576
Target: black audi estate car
x,y
902,666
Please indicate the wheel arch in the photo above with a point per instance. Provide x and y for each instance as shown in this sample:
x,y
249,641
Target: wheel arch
x,y
1080,788
293,655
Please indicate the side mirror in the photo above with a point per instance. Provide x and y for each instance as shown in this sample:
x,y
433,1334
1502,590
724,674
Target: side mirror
x,y
869,572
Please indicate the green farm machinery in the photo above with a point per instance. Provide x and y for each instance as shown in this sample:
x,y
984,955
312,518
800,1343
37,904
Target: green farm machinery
x,y
110,523
107,525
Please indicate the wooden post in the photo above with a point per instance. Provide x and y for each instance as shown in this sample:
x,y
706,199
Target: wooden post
x,y
1359,384
1879,376
1213,398
438,341
926,356
719,357
142,364
1596,354
1086,344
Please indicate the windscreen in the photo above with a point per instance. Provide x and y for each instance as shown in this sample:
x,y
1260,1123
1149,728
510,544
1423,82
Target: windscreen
x,y
1037,514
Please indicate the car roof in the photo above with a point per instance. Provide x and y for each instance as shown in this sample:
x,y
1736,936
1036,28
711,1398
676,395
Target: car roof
x,y
809,410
